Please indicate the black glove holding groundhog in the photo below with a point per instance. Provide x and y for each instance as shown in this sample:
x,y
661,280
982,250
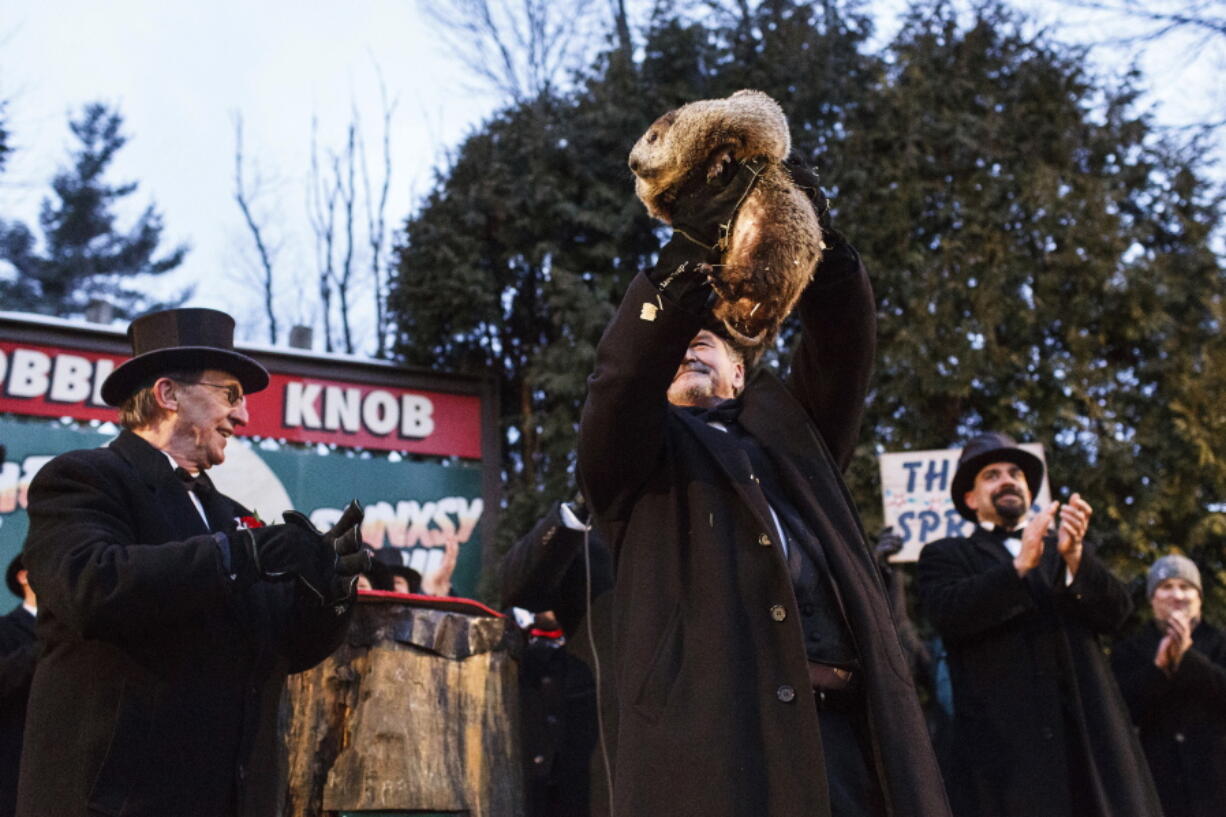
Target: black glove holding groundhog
x,y
702,216
835,244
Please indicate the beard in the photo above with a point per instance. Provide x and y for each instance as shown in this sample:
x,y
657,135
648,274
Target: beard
x,y
694,390
1010,505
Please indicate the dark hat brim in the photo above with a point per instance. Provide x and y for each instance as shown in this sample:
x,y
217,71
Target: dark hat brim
x,y
141,370
968,469
10,577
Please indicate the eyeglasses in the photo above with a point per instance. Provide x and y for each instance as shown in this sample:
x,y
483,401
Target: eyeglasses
x,y
234,392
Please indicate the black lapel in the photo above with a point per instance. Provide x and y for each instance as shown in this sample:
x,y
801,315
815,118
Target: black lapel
x,y
169,493
991,545
735,464
783,428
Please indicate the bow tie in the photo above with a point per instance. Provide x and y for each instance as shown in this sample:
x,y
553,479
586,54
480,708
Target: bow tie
x,y
1005,533
726,412
200,483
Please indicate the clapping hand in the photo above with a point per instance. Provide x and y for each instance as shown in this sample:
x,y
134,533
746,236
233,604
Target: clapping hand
x,y
1175,643
1074,520
1031,554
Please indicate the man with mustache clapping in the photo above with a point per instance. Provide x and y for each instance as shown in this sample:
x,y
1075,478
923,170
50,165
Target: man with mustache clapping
x,y
1039,724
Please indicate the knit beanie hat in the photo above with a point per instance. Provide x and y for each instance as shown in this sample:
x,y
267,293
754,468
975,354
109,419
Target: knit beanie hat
x,y
1173,566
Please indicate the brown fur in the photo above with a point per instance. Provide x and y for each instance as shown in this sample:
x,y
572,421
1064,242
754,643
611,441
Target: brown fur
x,y
775,242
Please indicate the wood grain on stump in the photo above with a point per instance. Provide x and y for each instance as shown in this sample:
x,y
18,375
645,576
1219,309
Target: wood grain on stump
x,y
415,712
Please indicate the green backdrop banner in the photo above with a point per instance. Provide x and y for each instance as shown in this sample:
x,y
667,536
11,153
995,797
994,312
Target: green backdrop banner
x,y
414,510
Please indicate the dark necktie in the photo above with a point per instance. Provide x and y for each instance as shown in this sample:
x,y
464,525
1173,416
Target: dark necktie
x,y
210,500
726,412
200,483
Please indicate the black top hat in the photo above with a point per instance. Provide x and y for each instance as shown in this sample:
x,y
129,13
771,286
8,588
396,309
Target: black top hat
x,y
389,563
987,448
178,339
409,574
10,577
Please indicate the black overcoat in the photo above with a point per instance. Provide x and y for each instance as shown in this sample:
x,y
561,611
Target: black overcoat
x,y
157,689
1020,651
1182,718
17,653
716,717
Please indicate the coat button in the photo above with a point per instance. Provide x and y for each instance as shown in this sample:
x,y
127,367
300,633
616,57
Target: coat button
x,y
1047,733
538,760
1179,738
778,612
786,694
764,540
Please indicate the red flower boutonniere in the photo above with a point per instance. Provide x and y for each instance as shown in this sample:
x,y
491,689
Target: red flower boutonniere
x,y
250,522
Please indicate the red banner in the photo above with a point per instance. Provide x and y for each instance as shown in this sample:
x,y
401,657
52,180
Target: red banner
x,y
53,381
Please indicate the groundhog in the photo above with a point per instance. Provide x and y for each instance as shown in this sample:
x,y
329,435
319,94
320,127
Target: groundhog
x,y
775,241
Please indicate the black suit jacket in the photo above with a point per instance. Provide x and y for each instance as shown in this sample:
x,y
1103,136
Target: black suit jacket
x,y
160,677
716,715
1036,709
17,652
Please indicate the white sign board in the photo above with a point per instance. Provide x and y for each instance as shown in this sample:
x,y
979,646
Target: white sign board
x,y
916,498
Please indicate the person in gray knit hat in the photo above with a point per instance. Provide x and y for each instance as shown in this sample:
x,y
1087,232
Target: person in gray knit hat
x,y
1173,676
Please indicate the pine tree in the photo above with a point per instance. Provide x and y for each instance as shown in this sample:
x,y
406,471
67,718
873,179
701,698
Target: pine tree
x,y
85,256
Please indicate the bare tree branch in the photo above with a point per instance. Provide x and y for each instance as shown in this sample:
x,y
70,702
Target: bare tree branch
x,y
343,173
518,47
321,210
376,223
243,198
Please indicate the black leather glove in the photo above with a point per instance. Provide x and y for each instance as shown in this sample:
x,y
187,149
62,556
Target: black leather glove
x,y
704,210
702,218
340,557
888,543
272,552
807,180
836,252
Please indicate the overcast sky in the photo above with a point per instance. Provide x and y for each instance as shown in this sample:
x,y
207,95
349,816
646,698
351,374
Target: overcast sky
x,y
179,72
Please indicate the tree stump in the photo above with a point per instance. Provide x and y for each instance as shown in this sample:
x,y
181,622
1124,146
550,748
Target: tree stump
x,y
415,713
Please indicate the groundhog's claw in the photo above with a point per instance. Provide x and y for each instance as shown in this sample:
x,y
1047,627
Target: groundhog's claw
x,y
743,339
719,166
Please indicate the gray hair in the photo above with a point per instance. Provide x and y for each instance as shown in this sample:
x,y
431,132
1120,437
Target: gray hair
x,y
141,409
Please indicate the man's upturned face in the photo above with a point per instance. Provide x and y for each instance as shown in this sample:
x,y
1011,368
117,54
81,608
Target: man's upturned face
x,y
710,373
1176,596
205,419
1000,495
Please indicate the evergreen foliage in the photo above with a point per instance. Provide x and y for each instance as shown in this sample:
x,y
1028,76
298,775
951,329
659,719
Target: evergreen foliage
x,y
85,255
1042,260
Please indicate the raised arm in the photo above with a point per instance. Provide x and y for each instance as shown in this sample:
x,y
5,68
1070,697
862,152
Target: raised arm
x,y
621,432
838,317
831,370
